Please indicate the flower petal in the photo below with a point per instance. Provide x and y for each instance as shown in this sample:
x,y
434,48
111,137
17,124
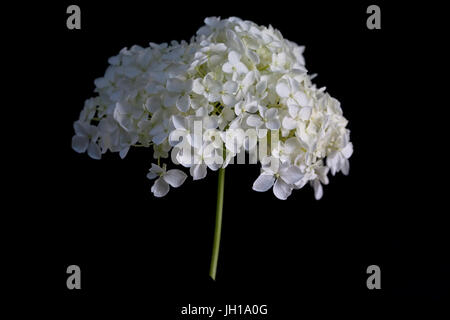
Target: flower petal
x,y
198,87
291,175
159,138
123,152
198,171
241,68
183,103
214,96
175,177
283,89
345,167
318,190
160,188
80,143
305,113
94,151
227,67
156,169
301,98
230,87
273,124
271,113
254,121
179,122
228,100
80,128
249,79
281,189
151,175
347,151
175,85
264,182
289,123
176,137
234,57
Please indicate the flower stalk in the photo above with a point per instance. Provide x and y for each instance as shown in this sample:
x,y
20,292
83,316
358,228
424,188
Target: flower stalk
x,y
218,225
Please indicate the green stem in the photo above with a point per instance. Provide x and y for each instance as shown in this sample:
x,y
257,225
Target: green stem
x,y
218,227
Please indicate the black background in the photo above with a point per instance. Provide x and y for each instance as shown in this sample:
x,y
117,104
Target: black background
x,y
148,256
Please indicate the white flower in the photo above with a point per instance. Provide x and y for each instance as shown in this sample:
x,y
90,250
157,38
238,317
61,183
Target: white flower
x,y
245,84
181,88
127,115
199,101
228,92
85,139
161,186
282,178
299,105
278,62
208,87
207,156
246,105
338,159
268,118
184,131
234,64
320,174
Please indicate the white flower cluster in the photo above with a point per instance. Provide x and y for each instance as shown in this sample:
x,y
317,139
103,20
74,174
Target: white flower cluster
x,y
232,77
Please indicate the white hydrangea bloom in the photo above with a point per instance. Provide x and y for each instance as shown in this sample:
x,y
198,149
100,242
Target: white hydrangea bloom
x,y
233,76
174,178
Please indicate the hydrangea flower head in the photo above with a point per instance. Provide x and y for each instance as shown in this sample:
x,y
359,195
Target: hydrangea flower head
x,y
199,104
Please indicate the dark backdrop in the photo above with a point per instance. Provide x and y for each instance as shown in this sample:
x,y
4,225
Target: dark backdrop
x,y
139,254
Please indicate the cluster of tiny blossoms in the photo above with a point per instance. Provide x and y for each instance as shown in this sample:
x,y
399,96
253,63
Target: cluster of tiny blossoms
x,y
202,103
